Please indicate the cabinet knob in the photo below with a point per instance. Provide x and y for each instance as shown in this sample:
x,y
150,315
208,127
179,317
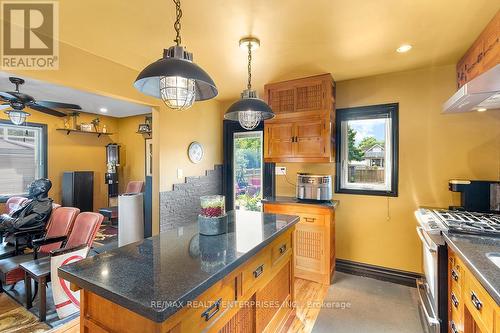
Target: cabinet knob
x,y
258,271
475,301
212,310
454,300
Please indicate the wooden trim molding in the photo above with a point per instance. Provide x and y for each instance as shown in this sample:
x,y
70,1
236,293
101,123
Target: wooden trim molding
x,y
377,272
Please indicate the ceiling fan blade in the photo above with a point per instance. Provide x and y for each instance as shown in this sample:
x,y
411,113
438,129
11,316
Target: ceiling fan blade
x,y
24,98
58,105
46,110
7,96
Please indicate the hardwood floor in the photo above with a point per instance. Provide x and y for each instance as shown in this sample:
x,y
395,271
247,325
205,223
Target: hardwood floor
x,y
306,293
70,327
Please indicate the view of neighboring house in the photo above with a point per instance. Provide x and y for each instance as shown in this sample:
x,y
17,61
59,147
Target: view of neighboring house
x,y
375,156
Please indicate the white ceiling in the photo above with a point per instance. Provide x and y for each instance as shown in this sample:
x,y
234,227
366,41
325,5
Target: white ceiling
x,y
89,102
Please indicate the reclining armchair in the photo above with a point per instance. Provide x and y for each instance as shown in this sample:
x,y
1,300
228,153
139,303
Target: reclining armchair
x,y
59,225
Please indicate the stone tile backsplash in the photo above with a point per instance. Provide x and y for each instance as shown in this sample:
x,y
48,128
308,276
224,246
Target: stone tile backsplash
x,y
181,206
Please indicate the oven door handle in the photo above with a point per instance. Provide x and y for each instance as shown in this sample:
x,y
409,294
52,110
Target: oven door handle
x,y
421,288
420,233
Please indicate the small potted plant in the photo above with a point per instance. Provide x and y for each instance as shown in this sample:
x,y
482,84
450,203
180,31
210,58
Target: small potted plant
x,y
212,219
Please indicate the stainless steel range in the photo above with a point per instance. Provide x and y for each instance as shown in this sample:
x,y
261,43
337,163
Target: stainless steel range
x,y
433,289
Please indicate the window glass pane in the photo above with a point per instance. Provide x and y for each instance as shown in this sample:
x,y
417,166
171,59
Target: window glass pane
x,y
21,150
247,166
367,153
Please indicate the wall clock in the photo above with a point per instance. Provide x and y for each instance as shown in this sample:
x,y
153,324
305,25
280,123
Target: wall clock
x,y
195,152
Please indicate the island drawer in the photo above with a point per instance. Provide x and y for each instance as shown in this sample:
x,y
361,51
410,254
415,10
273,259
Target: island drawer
x,y
208,308
255,273
281,248
479,303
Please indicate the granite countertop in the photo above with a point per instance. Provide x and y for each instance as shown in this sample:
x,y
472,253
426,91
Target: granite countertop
x,y
157,276
472,250
292,200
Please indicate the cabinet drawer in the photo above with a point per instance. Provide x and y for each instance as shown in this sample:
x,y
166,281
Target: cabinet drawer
x,y
210,306
311,219
281,248
255,271
456,274
478,303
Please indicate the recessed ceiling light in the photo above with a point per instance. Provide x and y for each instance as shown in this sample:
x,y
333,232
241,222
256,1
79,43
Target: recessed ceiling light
x,y
481,109
404,48
103,110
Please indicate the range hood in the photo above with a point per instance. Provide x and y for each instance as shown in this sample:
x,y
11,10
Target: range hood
x,y
481,92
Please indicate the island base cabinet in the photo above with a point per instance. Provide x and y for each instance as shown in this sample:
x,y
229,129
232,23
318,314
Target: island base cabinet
x,y
241,302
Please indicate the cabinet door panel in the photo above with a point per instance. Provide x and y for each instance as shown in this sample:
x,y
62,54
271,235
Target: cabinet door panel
x,y
310,139
309,245
282,100
279,140
474,58
491,37
310,95
277,291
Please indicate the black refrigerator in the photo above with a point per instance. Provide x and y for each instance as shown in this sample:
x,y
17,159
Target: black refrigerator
x,y
78,190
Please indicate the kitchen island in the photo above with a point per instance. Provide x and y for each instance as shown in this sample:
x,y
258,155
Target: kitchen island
x,y
180,281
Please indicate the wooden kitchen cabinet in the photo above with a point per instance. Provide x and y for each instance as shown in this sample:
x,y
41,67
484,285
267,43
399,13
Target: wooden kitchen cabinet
x,y
302,130
482,55
313,239
470,308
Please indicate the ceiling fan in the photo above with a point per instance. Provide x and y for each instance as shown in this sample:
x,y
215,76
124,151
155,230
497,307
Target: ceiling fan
x,y
17,101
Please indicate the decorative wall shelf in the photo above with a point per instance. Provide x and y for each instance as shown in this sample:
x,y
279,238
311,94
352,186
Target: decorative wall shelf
x,y
68,131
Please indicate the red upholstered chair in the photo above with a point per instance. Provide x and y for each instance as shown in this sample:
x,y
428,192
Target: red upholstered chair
x,y
84,230
13,203
135,186
59,225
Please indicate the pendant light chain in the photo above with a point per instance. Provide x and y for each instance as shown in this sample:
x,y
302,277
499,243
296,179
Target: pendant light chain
x,y
249,84
177,24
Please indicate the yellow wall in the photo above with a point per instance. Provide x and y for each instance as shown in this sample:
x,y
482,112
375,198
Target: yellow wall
x,y
433,147
132,150
203,123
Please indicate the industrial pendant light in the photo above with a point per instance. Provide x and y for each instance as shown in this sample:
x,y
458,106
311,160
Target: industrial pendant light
x,y
249,110
17,117
175,78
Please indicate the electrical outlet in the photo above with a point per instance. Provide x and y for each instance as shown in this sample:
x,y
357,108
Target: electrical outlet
x,y
180,174
280,170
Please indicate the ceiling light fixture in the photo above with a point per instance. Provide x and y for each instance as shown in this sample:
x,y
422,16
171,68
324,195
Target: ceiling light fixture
x,y
481,109
175,78
17,117
249,110
103,110
404,48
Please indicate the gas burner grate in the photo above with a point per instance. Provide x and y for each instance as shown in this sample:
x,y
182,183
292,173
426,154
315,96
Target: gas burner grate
x,y
470,222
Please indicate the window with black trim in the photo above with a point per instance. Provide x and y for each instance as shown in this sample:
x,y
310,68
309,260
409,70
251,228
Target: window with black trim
x,y
23,156
367,150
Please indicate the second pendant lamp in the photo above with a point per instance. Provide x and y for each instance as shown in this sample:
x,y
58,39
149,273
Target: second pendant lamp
x,y
250,110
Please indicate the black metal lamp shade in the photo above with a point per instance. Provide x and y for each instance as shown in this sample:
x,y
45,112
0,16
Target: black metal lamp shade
x,y
175,62
249,104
